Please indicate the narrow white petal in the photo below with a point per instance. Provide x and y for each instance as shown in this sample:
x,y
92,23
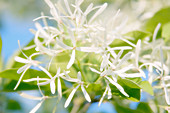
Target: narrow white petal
x,y
104,94
125,69
127,41
118,86
21,60
68,8
119,55
124,59
58,71
79,75
137,51
21,69
167,98
120,48
71,62
94,70
44,83
29,47
156,31
35,79
104,62
21,77
113,54
41,30
36,107
166,77
79,2
109,92
99,11
43,69
89,49
132,75
70,96
29,96
52,86
59,88
88,9
86,95
61,44
111,65
142,73
107,72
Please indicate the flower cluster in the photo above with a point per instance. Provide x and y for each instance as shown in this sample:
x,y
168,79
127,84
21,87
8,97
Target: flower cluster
x,y
78,31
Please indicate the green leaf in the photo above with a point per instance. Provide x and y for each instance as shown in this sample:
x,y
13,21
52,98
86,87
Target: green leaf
x,y
166,30
135,35
31,73
123,109
144,107
162,16
131,88
9,87
13,105
146,86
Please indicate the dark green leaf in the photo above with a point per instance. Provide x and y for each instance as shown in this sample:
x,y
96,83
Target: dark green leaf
x,y
122,109
13,105
131,88
144,107
31,73
9,87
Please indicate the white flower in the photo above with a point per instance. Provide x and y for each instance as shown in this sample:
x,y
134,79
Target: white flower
x,y
41,99
112,80
108,91
51,81
28,63
74,48
86,95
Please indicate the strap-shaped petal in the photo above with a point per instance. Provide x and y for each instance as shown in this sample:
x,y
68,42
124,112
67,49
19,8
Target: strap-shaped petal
x,y
71,59
86,95
21,77
79,76
70,96
118,86
99,11
59,87
61,44
104,94
94,70
21,69
29,96
120,48
89,49
124,59
21,60
137,51
35,79
52,86
88,9
36,107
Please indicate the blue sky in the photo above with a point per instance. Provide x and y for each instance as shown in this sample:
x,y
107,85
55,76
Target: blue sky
x,y
12,30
